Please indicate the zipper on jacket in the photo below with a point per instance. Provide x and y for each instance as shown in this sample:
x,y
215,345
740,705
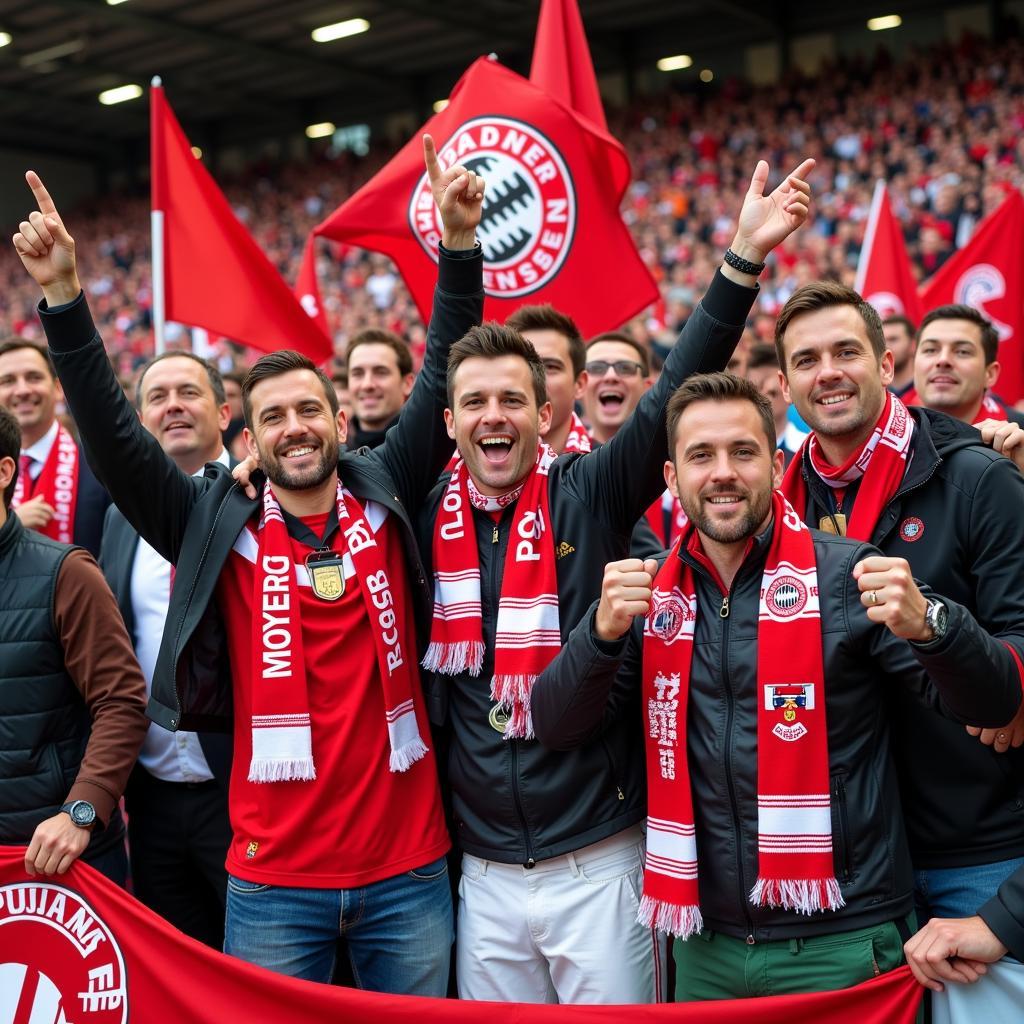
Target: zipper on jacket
x,y
723,612
494,534
611,770
530,861
842,854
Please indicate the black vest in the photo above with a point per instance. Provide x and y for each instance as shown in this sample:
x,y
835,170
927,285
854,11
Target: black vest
x,y
44,722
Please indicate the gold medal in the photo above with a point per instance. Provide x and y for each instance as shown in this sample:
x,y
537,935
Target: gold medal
x,y
828,524
498,718
327,576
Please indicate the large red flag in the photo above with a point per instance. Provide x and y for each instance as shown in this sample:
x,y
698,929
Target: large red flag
x,y
988,274
214,275
884,276
77,948
551,230
561,60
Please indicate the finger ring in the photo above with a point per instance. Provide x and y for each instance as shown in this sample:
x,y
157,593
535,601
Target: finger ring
x,y
873,596
1001,736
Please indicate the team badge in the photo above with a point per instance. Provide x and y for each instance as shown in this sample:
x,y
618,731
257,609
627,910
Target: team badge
x,y
789,699
498,718
326,575
669,616
59,962
911,529
529,215
250,850
786,596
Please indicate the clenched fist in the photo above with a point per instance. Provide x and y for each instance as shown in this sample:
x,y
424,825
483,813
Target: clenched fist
x,y
888,591
625,594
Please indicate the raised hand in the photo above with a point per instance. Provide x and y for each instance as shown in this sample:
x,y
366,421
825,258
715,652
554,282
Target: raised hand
x,y
46,249
891,597
765,220
625,593
459,194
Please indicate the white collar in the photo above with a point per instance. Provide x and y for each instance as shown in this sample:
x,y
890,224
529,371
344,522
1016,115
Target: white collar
x,y
40,451
224,459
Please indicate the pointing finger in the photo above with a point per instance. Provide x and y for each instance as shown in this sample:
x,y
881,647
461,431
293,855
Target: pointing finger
x,y
43,200
430,159
759,179
801,172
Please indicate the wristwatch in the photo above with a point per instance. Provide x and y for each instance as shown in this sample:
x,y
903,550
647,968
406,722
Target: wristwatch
x,y
82,813
936,617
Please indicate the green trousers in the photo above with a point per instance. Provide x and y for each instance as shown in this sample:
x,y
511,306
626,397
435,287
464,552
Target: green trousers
x,y
715,966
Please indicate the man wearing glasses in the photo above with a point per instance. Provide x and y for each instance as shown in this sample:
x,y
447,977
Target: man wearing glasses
x,y
618,373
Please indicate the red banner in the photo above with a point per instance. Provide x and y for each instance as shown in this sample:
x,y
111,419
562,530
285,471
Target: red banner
x,y
75,948
988,274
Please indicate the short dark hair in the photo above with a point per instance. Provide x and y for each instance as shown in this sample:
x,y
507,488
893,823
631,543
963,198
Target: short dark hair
x,y
824,295
212,375
492,340
13,344
340,377
10,448
547,318
760,355
959,311
625,339
234,376
717,387
378,336
274,364
904,321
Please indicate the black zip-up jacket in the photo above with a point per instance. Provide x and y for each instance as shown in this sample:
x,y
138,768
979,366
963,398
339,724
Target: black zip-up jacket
x,y
592,686
956,518
514,801
194,521
1004,914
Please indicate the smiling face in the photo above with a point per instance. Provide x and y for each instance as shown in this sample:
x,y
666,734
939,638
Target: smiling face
x,y
376,385
610,397
294,433
29,391
950,372
723,469
495,421
179,409
832,374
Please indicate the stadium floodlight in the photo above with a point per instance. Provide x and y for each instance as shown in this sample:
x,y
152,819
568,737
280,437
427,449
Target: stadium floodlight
x,y
439,105
5,38
320,131
677,63
884,22
339,30
120,95
114,3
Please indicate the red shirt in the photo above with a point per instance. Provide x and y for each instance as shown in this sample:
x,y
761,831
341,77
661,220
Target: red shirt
x,y
357,822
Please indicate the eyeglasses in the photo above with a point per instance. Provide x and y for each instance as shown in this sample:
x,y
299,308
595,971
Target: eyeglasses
x,y
622,368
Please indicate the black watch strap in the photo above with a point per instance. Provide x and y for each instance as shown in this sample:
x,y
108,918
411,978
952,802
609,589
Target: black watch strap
x,y
742,265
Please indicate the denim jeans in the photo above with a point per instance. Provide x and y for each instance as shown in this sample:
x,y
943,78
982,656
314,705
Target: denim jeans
x,y
959,892
398,931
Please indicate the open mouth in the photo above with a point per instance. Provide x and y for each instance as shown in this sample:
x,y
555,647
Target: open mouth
x,y
298,451
496,448
611,401
834,401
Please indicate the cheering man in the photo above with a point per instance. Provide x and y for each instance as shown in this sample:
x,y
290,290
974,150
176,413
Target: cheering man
x,y
518,535
760,653
299,610
919,485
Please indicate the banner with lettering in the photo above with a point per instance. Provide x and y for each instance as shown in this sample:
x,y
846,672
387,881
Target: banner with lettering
x,y
75,949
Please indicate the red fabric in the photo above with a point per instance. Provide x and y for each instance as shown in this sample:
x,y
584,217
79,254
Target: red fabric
x,y
307,291
795,865
884,275
151,971
577,440
57,485
215,276
678,522
551,228
880,461
988,274
990,408
370,823
562,66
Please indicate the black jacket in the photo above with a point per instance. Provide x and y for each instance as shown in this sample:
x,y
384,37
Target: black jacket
x,y
956,518
512,800
194,521
593,687
358,437
1004,914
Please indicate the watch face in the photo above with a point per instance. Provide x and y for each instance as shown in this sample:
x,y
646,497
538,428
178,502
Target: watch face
x,y
82,812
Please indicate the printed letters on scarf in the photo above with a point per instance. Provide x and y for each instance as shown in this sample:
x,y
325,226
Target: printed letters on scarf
x,y
57,484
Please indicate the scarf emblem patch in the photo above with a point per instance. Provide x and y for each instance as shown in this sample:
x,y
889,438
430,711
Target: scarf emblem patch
x,y
789,699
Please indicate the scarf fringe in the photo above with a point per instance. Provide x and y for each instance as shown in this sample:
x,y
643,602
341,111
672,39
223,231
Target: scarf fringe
x,y
454,659
285,769
805,896
681,921
405,756
513,694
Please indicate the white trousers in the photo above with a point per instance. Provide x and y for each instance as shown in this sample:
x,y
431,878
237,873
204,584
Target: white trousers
x,y
564,931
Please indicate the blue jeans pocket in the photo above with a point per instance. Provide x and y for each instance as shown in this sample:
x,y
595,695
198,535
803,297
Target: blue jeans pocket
x,y
430,872
244,888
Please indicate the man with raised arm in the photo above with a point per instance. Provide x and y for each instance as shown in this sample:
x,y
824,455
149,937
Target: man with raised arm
x,y
299,612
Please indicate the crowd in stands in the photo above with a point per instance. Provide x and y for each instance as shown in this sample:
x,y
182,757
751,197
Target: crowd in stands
x,y
944,127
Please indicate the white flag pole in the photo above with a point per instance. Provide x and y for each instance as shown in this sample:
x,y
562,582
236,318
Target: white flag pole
x,y
156,223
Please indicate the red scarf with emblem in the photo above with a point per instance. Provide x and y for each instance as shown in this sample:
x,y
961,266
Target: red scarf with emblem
x,y
528,634
57,484
880,461
795,862
578,439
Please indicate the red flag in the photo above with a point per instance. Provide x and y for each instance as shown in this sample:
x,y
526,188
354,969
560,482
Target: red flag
x,y
988,274
551,230
561,60
307,291
75,947
215,275
884,277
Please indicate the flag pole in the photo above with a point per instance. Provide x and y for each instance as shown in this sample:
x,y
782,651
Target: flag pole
x,y
156,224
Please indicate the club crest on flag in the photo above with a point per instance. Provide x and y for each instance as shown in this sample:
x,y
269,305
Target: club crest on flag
x,y
529,214
789,699
76,971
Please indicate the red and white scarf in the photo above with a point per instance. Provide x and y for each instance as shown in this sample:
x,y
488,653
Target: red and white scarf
x,y
881,461
990,408
528,634
282,748
578,439
57,484
795,863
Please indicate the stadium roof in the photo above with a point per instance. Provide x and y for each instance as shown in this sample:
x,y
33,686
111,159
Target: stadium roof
x,y
242,70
